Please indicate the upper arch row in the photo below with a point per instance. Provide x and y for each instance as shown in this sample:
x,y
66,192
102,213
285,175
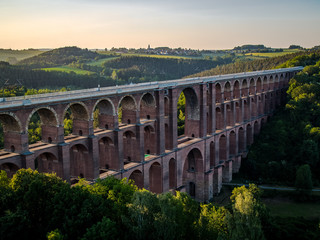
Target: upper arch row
x,y
230,85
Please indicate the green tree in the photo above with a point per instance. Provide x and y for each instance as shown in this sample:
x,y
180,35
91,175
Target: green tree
x,y
245,222
304,179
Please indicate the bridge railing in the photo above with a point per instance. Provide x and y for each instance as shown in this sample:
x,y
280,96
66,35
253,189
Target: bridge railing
x,y
84,93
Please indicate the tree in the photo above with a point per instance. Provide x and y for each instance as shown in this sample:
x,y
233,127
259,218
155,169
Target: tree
x,y
245,222
304,179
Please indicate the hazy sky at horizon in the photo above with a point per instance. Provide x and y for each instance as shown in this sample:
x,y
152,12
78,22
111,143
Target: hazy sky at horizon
x,y
201,24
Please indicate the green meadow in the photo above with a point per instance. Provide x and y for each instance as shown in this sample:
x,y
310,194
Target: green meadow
x,y
68,70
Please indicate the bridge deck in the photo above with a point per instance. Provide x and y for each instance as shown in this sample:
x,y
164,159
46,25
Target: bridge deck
x,y
12,102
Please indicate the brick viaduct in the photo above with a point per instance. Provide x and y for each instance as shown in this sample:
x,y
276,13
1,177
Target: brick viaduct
x,y
223,114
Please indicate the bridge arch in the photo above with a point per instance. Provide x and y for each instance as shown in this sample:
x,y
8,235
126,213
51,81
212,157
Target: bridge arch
x,y
107,113
252,87
81,164
147,106
218,92
137,177
107,154
193,167
12,129
192,113
271,83
79,110
10,122
236,90
127,107
155,178
149,140
222,148
219,118
130,150
49,121
212,150
276,82
79,113
172,173
9,168
244,88
227,91
241,140
49,163
265,84
249,134
232,143
259,85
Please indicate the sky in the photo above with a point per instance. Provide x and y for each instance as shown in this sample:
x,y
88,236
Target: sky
x,y
196,24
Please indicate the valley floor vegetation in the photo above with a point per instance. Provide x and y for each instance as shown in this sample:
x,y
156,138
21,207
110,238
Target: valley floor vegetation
x,y
42,206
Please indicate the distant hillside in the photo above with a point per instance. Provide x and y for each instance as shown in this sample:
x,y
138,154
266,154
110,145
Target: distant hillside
x,y
13,56
54,80
249,66
60,56
140,69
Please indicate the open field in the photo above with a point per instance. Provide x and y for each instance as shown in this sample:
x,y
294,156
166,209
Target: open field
x,y
100,61
283,207
6,54
273,54
68,70
280,206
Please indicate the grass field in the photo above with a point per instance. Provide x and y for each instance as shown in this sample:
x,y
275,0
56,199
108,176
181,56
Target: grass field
x,y
288,208
100,61
273,54
6,54
68,70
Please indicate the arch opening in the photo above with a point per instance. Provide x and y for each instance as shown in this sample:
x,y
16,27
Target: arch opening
x,y
147,106
81,164
155,178
107,157
49,163
9,168
188,113
104,115
149,140
192,170
172,174
127,111
137,177
76,120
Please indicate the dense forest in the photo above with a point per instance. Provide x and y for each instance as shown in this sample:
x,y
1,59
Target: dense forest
x,y
141,69
292,138
42,79
42,206
60,56
254,65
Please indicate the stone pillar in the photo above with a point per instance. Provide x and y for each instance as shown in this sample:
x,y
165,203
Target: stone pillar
x,y
27,160
217,180
52,134
16,142
140,142
118,148
64,157
227,171
203,112
82,127
160,130
94,153
173,125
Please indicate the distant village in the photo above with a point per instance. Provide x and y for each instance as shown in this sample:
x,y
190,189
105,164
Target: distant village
x,y
192,52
